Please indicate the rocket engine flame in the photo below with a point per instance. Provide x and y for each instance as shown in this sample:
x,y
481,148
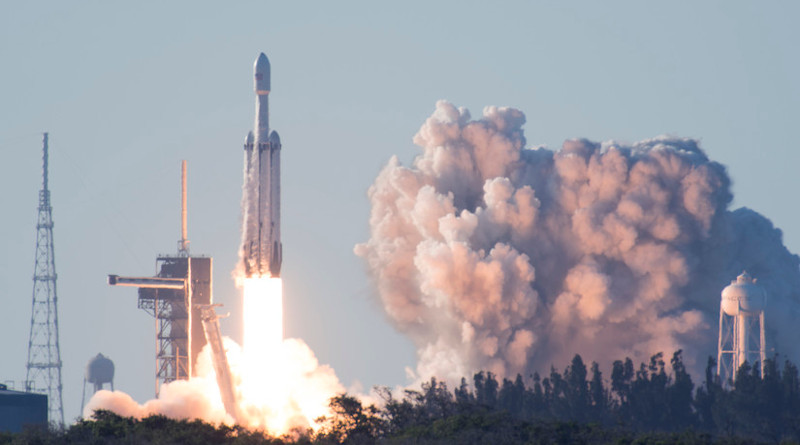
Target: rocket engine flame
x,y
263,321
282,384
497,257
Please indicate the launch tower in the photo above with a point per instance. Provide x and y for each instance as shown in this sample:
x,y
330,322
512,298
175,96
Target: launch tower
x,y
741,327
44,355
181,282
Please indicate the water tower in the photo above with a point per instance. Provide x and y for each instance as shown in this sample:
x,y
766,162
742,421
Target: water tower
x,y
99,371
741,327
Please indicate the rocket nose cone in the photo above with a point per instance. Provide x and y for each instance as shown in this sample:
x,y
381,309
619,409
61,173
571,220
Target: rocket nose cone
x,y
262,63
262,74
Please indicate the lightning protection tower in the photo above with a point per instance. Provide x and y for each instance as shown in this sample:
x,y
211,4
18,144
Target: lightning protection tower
x,y
44,356
741,327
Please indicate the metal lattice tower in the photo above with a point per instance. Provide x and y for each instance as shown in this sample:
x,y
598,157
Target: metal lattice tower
x,y
44,355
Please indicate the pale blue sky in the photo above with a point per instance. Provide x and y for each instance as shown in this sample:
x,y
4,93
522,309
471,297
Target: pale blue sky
x,y
127,90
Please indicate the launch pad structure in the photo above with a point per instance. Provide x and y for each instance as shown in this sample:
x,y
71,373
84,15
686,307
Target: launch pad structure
x,y
181,282
179,298
222,369
169,297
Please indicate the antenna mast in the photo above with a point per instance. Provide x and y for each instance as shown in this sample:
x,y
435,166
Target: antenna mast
x,y
183,244
44,356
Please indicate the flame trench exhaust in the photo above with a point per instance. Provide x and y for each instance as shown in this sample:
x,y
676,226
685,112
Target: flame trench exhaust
x,y
261,240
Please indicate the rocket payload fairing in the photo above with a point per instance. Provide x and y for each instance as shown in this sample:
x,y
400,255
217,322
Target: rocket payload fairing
x,y
261,201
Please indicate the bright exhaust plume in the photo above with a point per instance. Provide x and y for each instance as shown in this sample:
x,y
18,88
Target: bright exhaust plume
x,y
278,382
263,321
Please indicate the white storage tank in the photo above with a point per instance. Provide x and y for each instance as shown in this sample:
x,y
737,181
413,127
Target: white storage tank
x,y
743,295
741,327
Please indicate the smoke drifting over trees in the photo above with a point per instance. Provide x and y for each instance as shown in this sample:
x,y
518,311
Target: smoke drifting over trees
x,y
493,256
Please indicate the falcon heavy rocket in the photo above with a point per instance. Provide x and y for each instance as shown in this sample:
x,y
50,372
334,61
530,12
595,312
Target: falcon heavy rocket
x,y
261,241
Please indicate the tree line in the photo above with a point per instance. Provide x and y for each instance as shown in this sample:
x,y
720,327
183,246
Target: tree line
x,y
651,398
651,403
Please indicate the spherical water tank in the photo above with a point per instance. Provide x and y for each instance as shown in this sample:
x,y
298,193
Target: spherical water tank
x,y
743,295
100,370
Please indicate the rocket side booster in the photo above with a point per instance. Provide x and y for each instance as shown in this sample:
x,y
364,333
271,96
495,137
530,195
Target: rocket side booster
x,y
261,241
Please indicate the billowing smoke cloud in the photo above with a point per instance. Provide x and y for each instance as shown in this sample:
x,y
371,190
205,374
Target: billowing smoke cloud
x,y
494,256
293,395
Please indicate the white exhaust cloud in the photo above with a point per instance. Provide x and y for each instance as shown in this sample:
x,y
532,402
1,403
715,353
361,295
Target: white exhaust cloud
x,y
292,394
493,256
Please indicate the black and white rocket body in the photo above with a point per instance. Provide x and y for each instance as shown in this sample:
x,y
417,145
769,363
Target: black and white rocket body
x,y
261,241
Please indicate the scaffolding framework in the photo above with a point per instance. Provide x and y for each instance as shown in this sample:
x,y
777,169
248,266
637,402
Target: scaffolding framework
x,y
741,339
44,355
173,297
169,297
171,318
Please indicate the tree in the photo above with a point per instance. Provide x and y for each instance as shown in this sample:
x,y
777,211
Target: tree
x,y
485,389
679,396
464,398
576,390
706,398
647,400
621,377
350,422
512,397
790,388
599,396
535,400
